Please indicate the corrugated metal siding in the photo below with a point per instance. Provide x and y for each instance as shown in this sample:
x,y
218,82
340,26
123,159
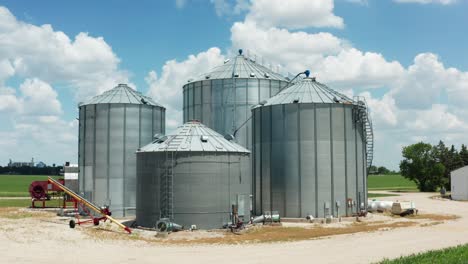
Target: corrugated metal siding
x,y
224,105
109,136
205,186
307,158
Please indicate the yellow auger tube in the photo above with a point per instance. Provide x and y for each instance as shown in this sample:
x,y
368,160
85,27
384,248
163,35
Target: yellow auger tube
x,y
86,203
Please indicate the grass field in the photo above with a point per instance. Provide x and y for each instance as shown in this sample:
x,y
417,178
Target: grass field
x,y
390,182
16,203
18,185
377,195
449,256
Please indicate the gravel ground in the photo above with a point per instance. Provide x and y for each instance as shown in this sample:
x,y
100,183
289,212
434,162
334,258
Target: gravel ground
x,y
39,237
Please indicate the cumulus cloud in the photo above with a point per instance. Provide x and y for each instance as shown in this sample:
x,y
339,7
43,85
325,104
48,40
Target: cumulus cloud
x,y
34,123
330,58
442,2
40,57
85,64
167,87
428,81
294,14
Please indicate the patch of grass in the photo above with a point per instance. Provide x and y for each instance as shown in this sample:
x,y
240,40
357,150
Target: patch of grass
x,y
452,255
390,182
431,217
375,195
15,202
18,185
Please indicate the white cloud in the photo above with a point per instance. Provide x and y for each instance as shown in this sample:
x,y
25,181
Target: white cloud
x,y
34,123
442,2
427,81
8,100
39,99
166,89
383,111
86,64
330,58
294,14
40,57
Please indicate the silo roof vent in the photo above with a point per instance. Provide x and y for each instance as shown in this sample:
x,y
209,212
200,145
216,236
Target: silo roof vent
x,y
240,66
194,136
307,90
121,94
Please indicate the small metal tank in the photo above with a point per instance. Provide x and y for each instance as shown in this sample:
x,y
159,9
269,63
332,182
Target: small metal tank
x,y
112,126
192,177
311,149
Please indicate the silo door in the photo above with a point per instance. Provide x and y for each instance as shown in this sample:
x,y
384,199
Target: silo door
x,y
243,206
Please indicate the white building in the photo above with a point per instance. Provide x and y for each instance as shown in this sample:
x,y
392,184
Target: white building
x,y
459,183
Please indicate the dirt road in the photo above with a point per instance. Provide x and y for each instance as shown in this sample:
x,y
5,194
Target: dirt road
x,y
43,242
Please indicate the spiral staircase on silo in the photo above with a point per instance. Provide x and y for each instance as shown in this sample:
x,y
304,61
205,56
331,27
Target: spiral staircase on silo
x,y
365,117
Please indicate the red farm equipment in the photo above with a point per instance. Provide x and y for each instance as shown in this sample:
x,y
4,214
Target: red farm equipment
x,y
95,213
43,191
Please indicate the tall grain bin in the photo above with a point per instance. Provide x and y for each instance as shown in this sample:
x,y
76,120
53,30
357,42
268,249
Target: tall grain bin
x,y
192,177
310,151
112,126
222,98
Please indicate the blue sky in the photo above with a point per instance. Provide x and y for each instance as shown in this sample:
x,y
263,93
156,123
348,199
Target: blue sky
x,y
146,35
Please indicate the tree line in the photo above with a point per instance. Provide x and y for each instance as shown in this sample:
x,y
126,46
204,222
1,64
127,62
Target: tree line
x,y
429,166
381,170
27,170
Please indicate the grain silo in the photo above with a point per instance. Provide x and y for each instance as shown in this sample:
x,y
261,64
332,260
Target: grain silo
x,y
222,98
112,126
311,149
193,177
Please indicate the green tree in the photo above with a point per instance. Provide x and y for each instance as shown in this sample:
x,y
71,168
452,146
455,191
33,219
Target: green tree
x,y
464,154
383,170
372,169
421,165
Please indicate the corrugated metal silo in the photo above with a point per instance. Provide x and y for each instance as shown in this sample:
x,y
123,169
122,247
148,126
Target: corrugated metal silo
x,y
112,126
192,177
310,151
222,99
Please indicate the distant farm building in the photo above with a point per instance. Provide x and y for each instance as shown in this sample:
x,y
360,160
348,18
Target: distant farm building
x,y
18,164
459,183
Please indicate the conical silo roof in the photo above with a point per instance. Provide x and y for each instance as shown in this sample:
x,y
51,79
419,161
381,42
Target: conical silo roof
x,y
193,136
308,90
121,94
240,66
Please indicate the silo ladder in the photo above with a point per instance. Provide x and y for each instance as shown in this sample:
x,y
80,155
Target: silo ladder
x,y
167,187
364,116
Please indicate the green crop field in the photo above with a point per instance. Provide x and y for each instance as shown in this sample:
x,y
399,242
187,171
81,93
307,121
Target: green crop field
x,y
453,255
18,185
378,195
390,182
16,202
